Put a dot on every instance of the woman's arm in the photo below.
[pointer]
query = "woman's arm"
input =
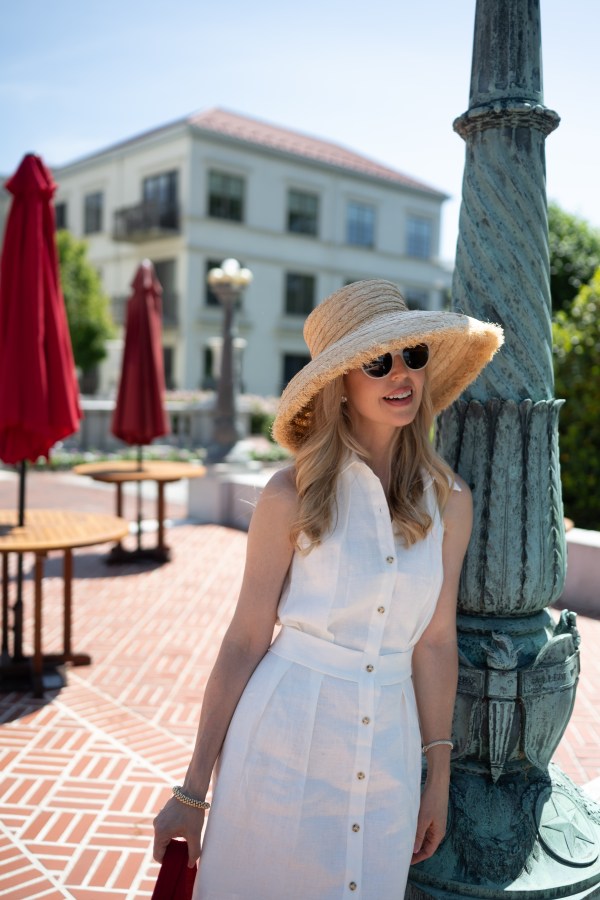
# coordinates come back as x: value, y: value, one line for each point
x: 435, y: 673
x: 246, y: 641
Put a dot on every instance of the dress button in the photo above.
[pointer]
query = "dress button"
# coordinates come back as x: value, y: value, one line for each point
x: 360, y: 775
x: 366, y: 720
x: 355, y: 827
x: 369, y: 668
x: 352, y: 885
x: 381, y: 609
x: 389, y: 559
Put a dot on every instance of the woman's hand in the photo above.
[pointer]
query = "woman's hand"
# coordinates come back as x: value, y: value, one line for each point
x: 176, y: 820
x: 431, y: 824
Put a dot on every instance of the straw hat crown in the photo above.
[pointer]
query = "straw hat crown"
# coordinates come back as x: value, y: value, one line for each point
x: 347, y: 310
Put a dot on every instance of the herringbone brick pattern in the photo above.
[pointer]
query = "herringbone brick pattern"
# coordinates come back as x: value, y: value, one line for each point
x: 85, y: 769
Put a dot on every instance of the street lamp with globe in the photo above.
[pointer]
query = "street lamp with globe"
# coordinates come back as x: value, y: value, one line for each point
x: 227, y: 282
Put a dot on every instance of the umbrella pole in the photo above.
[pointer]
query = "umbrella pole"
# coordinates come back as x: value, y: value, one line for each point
x: 139, y: 501
x: 18, y: 607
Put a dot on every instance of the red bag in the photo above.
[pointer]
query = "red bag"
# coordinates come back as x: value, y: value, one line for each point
x: 175, y: 880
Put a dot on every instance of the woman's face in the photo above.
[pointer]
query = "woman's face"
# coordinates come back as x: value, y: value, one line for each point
x: 389, y: 402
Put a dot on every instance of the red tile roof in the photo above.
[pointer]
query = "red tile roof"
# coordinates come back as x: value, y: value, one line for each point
x: 253, y: 131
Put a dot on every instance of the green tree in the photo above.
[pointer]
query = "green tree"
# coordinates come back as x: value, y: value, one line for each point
x: 577, y: 374
x: 574, y: 255
x: 88, y: 311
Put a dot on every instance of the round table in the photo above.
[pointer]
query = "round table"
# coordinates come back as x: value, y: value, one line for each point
x: 45, y: 530
x: 120, y: 472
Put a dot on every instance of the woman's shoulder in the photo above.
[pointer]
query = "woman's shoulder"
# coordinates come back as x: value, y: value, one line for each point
x: 277, y: 505
x: 458, y: 511
x: 280, y: 490
x: 282, y: 481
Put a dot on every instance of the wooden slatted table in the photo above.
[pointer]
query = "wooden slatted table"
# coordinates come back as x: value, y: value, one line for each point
x: 45, y: 530
x: 121, y: 472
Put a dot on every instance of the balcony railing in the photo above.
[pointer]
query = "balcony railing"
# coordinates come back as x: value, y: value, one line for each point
x: 145, y: 221
x: 170, y: 316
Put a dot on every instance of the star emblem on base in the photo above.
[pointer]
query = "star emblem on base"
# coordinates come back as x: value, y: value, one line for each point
x: 564, y: 829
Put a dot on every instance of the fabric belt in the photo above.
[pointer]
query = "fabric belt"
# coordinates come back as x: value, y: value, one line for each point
x: 341, y: 662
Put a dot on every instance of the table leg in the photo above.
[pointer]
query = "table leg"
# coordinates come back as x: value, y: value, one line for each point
x: 160, y: 512
x: 67, y: 601
x: 5, y: 648
x: 76, y: 659
x: 163, y: 553
x: 117, y: 554
x: 38, y: 659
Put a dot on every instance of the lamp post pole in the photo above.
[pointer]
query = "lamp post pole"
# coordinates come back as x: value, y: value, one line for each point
x: 518, y: 827
x: 227, y: 282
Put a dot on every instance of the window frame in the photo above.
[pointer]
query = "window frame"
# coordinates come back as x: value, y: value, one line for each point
x: 228, y: 212
x: 360, y: 226
x: 93, y: 212
x: 419, y: 245
x: 301, y: 300
x: 306, y: 219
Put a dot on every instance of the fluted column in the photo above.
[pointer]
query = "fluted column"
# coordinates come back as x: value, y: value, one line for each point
x: 518, y: 827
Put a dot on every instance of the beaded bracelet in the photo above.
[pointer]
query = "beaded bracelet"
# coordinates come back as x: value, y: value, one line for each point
x: 431, y: 744
x: 189, y: 801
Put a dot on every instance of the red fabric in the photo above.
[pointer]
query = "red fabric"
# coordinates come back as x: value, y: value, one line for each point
x: 39, y: 397
x: 175, y: 879
x: 139, y: 414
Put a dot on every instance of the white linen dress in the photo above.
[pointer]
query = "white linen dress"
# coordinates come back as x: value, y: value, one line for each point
x: 318, y: 784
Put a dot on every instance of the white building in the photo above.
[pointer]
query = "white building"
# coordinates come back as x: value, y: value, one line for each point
x: 305, y: 215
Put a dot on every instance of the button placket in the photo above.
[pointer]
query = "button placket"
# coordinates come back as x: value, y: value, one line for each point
x: 360, y: 781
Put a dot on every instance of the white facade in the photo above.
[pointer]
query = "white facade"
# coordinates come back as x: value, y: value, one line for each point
x: 403, y: 217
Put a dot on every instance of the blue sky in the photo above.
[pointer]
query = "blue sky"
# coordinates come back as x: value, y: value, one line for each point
x: 384, y: 78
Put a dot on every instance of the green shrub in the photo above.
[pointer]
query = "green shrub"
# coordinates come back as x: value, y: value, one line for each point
x: 577, y: 375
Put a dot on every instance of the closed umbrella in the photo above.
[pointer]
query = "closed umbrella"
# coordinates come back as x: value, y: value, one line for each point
x: 140, y: 414
x: 39, y: 398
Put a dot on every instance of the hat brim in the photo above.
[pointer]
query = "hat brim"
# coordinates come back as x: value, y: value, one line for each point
x: 460, y: 347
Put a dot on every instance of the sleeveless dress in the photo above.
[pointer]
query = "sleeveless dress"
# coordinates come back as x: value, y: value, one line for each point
x: 318, y: 783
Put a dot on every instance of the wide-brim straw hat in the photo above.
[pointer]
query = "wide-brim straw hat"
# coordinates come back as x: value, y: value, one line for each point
x: 368, y: 318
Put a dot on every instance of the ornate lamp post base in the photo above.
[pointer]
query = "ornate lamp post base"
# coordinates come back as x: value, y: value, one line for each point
x: 532, y: 838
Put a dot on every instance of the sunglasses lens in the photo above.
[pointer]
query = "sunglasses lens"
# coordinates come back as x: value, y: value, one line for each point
x: 416, y: 357
x: 379, y: 367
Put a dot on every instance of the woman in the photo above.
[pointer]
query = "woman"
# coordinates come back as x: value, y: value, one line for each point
x: 356, y: 551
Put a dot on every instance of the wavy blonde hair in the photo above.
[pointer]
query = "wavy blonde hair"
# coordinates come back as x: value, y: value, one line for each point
x: 328, y: 441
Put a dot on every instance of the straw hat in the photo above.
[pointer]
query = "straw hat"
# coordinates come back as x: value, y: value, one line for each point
x: 368, y: 318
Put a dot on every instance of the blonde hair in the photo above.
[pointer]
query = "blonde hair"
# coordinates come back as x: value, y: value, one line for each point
x: 319, y: 459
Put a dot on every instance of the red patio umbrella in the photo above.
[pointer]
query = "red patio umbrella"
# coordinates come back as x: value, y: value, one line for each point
x: 39, y: 398
x: 140, y: 414
x: 39, y: 402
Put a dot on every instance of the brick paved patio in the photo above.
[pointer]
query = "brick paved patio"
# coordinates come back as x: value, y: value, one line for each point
x: 85, y: 769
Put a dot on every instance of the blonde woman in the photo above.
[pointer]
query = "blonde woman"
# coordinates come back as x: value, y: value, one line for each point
x: 316, y: 737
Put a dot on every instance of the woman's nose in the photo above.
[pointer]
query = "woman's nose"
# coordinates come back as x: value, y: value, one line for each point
x: 399, y: 367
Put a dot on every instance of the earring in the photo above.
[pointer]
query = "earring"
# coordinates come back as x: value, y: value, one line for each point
x: 344, y: 398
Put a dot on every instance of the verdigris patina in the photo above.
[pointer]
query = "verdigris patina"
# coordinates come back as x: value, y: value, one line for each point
x: 518, y: 827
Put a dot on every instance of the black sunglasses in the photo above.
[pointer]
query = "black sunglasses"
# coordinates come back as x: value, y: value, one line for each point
x: 414, y: 358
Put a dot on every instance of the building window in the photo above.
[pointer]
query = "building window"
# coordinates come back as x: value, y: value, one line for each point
x: 299, y: 294
x: 60, y: 212
x: 226, y: 196
x: 165, y: 270
x: 303, y: 212
x: 92, y: 212
x: 292, y: 363
x: 169, y: 366
x: 360, y: 225
x: 418, y: 238
x: 416, y: 298
x: 161, y: 191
